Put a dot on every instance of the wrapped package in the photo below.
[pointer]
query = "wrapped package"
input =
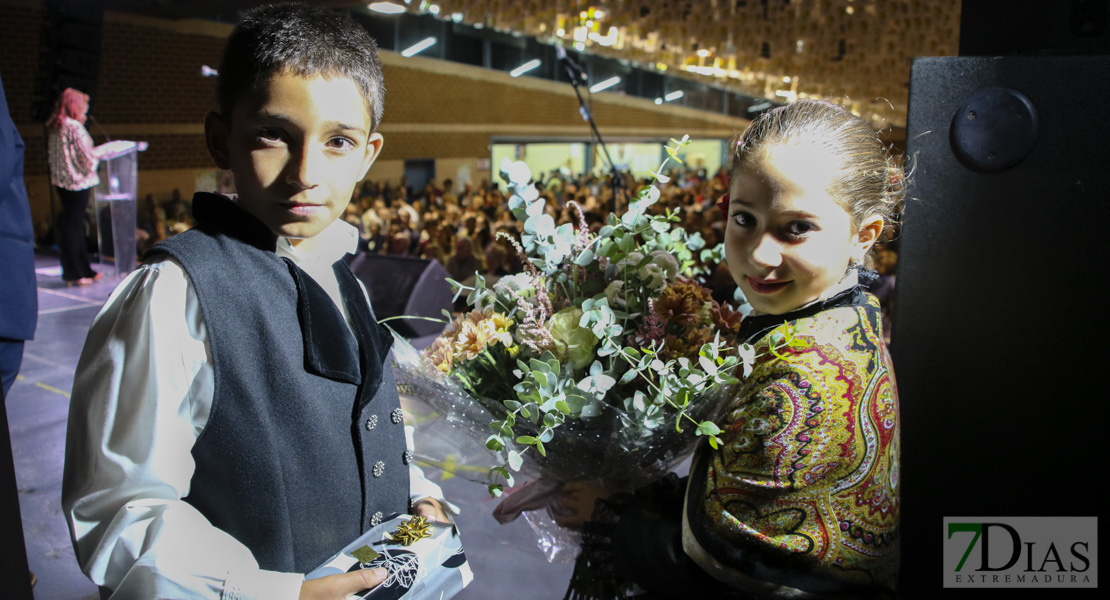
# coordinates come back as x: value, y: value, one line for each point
x: 420, y: 568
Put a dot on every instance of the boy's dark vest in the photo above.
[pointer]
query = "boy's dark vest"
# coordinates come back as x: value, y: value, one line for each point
x: 304, y: 445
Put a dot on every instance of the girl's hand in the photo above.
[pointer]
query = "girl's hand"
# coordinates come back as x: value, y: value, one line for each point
x: 430, y: 509
x: 343, y: 585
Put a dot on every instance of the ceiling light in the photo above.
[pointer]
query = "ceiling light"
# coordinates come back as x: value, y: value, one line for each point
x: 604, y: 85
x: 207, y: 71
x: 418, y: 47
x: 674, y: 95
x: 387, y: 8
x: 703, y: 53
x: 528, y: 66
x: 658, y: 100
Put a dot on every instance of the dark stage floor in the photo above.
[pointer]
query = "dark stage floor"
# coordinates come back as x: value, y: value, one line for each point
x: 504, y: 558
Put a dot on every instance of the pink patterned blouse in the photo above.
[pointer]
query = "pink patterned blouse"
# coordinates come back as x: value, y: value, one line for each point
x: 73, y: 157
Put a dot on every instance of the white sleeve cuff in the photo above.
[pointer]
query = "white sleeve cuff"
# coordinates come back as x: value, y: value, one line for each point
x: 262, y: 585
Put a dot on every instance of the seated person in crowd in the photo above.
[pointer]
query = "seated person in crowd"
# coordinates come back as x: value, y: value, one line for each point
x: 462, y: 264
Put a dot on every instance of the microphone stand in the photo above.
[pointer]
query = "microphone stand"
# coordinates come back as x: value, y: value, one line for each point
x: 574, y: 72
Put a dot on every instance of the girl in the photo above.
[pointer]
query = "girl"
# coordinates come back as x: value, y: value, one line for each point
x: 73, y: 162
x: 801, y: 498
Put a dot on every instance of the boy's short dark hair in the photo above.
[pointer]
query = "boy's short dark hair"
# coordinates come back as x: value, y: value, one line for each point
x: 302, y: 40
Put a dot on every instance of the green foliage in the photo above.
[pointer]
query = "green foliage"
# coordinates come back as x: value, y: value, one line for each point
x: 584, y: 344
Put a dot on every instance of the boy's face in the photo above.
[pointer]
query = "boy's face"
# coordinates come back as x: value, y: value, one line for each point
x: 297, y: 148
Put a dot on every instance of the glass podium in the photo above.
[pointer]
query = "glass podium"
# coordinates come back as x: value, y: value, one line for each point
x: 116, y: 199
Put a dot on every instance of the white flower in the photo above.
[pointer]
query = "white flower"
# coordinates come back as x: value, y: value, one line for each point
x: 613, y: 294
x: 629, y: 261
x: 520, y: 283
x: 653, y: 275
x: 667, y: 262
x: 575, y: 341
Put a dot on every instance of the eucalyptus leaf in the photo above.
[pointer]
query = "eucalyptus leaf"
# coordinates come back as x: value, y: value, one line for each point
x: 591, y: 409
x: 708, y: 428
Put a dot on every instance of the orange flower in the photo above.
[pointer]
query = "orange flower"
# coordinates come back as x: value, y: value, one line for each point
x: 471, y: 341
x: 441, y: 354
x: 725, y: 318
x: 682, y: 302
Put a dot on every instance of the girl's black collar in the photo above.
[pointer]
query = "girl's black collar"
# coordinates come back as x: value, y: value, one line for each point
x: 753, y: 328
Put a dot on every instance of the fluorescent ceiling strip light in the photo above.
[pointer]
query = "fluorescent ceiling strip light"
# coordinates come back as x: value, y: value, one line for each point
x: 674, y: 95
x: 528, y: 66
x: 418, y: 47
x: 387, y: 8
x: 604, y: 85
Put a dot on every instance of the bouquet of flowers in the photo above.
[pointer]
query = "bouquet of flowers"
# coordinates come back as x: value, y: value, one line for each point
x: 604, y: 360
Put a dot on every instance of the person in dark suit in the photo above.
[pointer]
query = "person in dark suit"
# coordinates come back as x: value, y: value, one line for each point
x: 19, y: 308
x: 19, y: 302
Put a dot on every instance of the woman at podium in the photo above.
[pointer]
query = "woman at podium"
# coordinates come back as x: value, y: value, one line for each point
x: 73, y: 160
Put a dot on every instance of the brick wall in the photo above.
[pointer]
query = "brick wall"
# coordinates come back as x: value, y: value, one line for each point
x: 150, y: 88
x: 19, y: 41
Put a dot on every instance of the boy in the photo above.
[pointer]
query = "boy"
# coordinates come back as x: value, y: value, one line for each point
x: 233, y: 421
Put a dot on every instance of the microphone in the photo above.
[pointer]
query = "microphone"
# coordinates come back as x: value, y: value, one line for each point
x: 98, y: 127
x: 574, y: 70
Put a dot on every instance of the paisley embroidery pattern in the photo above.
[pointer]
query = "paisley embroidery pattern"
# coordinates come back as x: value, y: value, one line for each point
x: 810, y: 460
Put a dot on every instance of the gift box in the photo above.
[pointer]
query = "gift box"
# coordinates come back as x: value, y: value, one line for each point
x: 425, y: 560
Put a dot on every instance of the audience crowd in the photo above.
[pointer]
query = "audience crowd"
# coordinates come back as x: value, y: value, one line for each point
x: 458, y: 224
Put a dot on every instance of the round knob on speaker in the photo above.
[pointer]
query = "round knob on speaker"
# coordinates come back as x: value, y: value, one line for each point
x: 995, y: 129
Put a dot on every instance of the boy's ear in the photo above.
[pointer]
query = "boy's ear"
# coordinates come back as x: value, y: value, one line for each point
x: 373, y: 149
x: 868, y: 234
x: 216, y: 138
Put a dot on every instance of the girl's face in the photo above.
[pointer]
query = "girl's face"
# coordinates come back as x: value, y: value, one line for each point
x: 787, y: 241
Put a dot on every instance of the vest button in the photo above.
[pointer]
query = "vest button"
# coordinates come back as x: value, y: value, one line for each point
x: 379, y: 468
x: 376, y: 519
x: 406, y: 457
x: 397, y: 416
x: 372, y: 422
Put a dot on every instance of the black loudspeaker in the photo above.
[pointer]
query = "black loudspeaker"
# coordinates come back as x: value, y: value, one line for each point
x: 403, y: 286
x: 1034, y: 27
x: 1000, y: 328
x: 69, y: 51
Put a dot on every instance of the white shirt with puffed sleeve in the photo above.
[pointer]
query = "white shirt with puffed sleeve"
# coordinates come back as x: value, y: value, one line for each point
x: 141, y: 396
